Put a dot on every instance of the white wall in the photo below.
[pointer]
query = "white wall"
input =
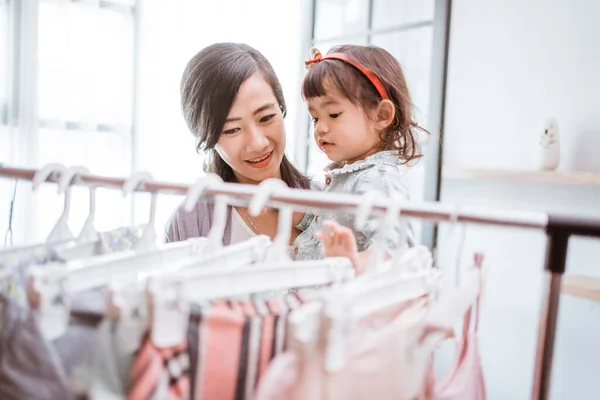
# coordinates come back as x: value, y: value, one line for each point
x: 512, y: 64
x: 169, y: 36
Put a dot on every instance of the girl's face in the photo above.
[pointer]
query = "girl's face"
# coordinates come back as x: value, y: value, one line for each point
x: 252, y: 141
x: 341, y: 129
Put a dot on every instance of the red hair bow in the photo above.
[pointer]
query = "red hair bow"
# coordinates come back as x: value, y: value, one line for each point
x: 316, y: 57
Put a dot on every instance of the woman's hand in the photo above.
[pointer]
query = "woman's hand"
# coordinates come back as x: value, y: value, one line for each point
x: 340, y: 242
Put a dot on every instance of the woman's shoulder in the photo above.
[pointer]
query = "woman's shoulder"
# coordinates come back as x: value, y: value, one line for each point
x: 188, y: 224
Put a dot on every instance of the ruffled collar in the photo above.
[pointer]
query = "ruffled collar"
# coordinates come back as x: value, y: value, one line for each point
x: 388, y: 157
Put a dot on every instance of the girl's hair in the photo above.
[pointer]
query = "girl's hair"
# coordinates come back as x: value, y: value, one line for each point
x: 355, y: 86
x: 209, y: 86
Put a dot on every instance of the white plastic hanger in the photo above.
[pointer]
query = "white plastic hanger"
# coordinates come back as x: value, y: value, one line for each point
x: 452, y: 305
x: 461, y: 244
x: 215, y: 255
x: 211, y: 284
x: 219, y: 222
x: 88, y: 232
x: 147, y: 240
x: 121, y: 269
x: 363, y: 212
x: 61, y: 233
x: 402, y: 259
x: 127, y: 266
x: 279, y: 250
x: 170, y: 304
x: 87, y: 244
x: 61, y: 230
x: 277, y: 272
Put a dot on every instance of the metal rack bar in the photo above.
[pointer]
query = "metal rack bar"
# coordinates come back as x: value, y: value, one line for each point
x: 558, y: 228
x: 240, y: 194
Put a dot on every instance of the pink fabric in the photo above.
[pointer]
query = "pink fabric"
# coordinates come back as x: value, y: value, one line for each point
x: 465, y: 379
x: 389, y: 356
x: 279, y: 378
x: 376, y: 350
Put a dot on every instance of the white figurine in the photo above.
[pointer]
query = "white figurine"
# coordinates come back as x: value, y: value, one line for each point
x: 548, y: 146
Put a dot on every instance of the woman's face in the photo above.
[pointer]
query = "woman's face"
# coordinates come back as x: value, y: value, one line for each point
x: 252, y: 141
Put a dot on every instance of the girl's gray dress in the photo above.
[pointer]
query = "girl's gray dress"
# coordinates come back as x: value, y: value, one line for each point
x: 381, y: 172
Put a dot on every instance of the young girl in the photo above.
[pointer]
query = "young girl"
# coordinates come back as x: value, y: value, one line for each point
x: 362, y: 114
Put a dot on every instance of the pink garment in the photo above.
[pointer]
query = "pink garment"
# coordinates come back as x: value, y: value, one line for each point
x: 384, y: 360
x: 465, y: 379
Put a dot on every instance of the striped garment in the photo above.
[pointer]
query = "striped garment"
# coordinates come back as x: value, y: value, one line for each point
x: 159, y: 373
x: 237, y: 339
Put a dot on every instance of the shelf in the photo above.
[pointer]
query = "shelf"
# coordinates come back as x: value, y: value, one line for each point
x: 581, y: 286
x: 552, y: 177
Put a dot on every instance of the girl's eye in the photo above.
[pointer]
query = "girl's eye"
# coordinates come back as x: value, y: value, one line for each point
x: 315, y: 120
x: 267, y: 118
x: 231, y: 131
x: 335, y: 115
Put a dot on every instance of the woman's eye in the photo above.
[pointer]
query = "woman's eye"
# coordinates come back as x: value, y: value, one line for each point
x: 267, y: 118
x: 231, y: 131
x: 335, y: 115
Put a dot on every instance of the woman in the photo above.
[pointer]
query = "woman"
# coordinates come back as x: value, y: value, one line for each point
x: 233, y: 103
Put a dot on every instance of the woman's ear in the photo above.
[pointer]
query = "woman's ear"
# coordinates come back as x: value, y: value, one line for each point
x: 386, y: 114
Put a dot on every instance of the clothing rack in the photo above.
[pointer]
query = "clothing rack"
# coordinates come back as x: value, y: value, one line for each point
x: 558, y: 228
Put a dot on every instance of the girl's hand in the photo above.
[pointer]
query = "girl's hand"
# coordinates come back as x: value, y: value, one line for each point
x: 340, y: 242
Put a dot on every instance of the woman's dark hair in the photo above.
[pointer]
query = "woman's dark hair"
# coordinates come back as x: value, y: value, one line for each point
x: 356, y: 87
x: 209, y: 86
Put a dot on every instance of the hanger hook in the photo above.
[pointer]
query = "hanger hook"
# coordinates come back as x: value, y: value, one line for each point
x: 284, y: 222
x: 195, y: 192
x: 461, y: 242
x: 69, y: 177
x: 392, y: 214
x: 134, y: 182
x: 261, y: 197
x: 46, y: 172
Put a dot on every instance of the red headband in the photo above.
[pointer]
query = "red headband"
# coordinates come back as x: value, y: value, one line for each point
x: 318, y: 57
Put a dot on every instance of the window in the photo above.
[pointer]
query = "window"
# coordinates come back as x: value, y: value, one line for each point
x: 85, y: 69
x: 5, y: 142
x: 70, y: 101
x: 85, y: 101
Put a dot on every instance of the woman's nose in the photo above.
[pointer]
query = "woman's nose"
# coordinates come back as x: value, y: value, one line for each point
x: 257, y: 140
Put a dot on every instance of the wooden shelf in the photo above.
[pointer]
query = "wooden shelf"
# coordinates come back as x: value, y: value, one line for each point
x: 581, y: 286
x: 552, y: 177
